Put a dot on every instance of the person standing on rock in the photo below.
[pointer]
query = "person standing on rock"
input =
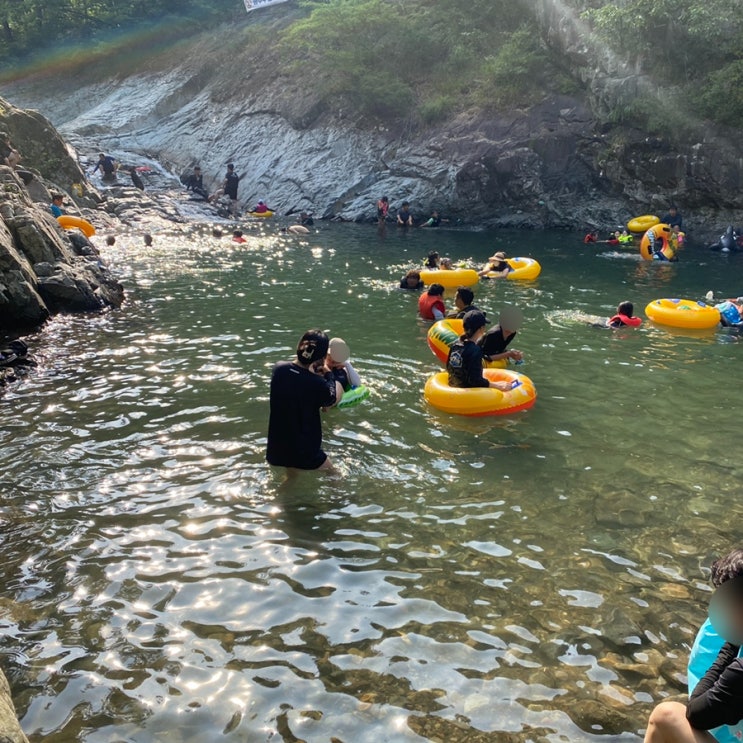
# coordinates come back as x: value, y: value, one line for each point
x: 229, y: 188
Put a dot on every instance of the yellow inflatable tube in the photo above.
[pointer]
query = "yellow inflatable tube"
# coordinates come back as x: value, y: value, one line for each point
x: 523, y: 269
x: 443, y: 333
x: 68, y: 222
x: 450, y: 279
x: 663, y: 237
x: 683, y: 313
x: 481, y: 401
x: 643, y: 223
x: 261, y: 215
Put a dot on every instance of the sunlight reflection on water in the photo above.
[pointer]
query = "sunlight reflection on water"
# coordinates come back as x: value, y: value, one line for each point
x: 539, y: 576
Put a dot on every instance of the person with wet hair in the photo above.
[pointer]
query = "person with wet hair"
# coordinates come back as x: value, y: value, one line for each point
x: 300, y: 389
x: 717, y: 699
x: 411, y: 281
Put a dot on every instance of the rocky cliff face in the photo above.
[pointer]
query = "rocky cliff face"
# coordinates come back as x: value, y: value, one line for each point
x: 43, y: 269
x: 557, y: 164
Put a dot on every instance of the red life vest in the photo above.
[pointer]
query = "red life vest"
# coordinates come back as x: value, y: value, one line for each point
x: 633, y: 322
x: 426, y: 303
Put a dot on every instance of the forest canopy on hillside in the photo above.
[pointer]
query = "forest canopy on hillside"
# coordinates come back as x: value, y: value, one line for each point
x: 424, y: 60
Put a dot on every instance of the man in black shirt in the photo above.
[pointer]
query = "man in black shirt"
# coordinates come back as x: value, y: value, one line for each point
x: 299, y: 390
x: 494, y: 343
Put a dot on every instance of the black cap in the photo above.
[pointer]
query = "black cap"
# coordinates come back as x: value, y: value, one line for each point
x: 473, y: 321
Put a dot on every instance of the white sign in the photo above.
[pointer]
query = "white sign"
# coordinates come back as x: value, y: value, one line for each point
x: 254, y: 4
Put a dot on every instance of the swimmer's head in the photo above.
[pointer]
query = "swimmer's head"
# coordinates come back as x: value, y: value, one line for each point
x: 625, y: 308
x: 312, y: 346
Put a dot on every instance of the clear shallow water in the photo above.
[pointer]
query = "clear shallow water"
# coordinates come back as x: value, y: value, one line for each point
x: 533, y: 578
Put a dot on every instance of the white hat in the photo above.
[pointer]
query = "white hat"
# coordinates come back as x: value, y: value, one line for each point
x: 339, y: 350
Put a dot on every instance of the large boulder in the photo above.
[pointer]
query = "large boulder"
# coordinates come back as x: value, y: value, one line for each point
x: 41, y: 271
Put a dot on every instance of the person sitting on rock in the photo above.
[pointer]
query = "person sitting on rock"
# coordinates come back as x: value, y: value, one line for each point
x: 56, y: 205
x: 195, y: 183
x: 9, y: 155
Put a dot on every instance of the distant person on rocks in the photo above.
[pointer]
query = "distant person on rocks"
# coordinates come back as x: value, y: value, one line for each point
x: 300, y: 389
x: 673, y: 218
x: 107, y: 165
x: 495, y: 342
x: 383, y: 207
x: 228, y: 188
x: 195, y: 183
x: 9, y: 155
x: 411, y: 281
x: 57, y: 204
x: 431, y: 303
x: 463, y: 300
x: 404, y: 217
x: 136, y: 178
x: 464, y: 363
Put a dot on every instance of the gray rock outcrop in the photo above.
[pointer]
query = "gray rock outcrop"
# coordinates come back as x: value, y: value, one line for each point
x: 10, y: 730
x: 42, y: 272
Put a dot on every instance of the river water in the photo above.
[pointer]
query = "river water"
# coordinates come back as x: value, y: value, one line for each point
x: 529, y: 578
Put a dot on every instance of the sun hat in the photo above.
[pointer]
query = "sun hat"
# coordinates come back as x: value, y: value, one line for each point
x: 499, y: 256
x: 339, y: 350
